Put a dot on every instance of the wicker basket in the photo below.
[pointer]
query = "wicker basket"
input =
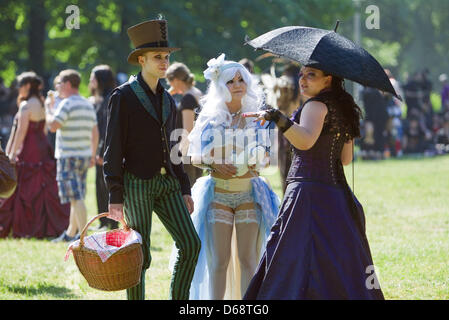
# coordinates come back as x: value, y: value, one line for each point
x: 121, y: 271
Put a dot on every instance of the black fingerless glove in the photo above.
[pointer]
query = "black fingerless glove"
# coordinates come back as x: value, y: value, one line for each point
x: 282, y: 122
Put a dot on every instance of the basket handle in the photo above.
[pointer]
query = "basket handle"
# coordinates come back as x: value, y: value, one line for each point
x: 105, y: 214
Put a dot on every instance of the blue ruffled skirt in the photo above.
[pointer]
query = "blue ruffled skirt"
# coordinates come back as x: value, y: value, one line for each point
x: 267, y: 207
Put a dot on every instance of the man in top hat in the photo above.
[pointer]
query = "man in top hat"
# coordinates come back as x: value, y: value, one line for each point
x: 138, y: 171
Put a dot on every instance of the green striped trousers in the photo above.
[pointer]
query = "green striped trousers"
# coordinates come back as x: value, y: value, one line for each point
x: 162, y: 194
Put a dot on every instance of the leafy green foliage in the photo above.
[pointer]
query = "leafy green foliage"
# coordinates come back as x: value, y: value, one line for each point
x: 202, y: 30
x: 421, y: 27
x: 413, y: 34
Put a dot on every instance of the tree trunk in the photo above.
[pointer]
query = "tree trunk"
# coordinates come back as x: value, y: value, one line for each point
x: 36, y: 36
x: 124, y: 46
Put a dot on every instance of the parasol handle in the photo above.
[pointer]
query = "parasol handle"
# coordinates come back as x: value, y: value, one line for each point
x: 125, y: 226
x: 336, y: 25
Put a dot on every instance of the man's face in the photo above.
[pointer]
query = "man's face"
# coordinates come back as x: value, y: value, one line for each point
x: 64, y: 88
x: 58, y: 86
x: 155, y: 63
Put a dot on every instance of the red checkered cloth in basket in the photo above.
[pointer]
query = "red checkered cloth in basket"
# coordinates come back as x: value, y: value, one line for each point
x: 107, y: 243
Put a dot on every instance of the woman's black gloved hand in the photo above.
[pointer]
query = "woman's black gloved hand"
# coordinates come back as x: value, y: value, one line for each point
x: 282, y: 122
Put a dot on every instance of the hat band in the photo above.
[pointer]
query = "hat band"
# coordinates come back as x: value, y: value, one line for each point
x: 156, y: 44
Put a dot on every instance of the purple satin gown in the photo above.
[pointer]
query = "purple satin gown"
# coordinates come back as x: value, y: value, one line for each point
x: 317, y: 248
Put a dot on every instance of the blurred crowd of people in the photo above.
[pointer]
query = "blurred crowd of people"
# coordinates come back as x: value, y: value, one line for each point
x: 391, y: 130
x: 391, y: 127
x: 54, y: 138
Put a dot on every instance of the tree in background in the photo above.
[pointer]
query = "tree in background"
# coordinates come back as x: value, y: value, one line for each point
x: 413, y: 34
x: 34, y: 33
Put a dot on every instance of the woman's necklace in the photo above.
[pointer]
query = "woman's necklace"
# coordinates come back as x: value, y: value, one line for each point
x: 236, y: 120
x: 236, y: 113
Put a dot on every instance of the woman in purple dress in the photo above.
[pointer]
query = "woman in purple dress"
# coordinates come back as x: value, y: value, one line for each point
x: 318, y: 248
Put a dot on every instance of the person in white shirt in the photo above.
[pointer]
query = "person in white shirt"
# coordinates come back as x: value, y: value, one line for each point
x: 75, y: 124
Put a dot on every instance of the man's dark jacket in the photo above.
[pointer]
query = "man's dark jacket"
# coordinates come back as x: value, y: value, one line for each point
x: 137, y: 141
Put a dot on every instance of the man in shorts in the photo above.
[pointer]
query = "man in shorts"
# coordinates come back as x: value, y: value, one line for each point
x: 75, y: 124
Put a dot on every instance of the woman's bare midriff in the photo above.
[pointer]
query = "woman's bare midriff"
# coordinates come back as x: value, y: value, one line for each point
x: 249, y: 174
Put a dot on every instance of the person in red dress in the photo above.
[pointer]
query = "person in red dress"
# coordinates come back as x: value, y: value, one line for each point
x: 34, y: 209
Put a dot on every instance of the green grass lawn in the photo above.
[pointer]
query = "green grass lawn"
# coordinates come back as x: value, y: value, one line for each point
x: 406, y: 204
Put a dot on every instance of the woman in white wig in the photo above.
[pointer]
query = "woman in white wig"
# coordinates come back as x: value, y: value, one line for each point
x: 234, y: 207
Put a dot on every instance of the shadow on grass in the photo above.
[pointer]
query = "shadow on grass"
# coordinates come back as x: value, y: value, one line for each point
x: 40, y: 289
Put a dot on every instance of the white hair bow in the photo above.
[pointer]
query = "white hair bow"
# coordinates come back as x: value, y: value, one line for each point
x: 213, y: 70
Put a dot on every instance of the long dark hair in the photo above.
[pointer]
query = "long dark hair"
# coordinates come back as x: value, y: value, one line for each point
x: 344, y: 101
x: 36, y: 84
x: 105, y: 79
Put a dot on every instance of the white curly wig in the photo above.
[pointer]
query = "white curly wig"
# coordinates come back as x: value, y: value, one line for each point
x: 214, y: 109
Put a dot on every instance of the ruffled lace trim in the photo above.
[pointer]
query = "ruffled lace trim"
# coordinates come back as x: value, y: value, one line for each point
x: 246, y: 216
